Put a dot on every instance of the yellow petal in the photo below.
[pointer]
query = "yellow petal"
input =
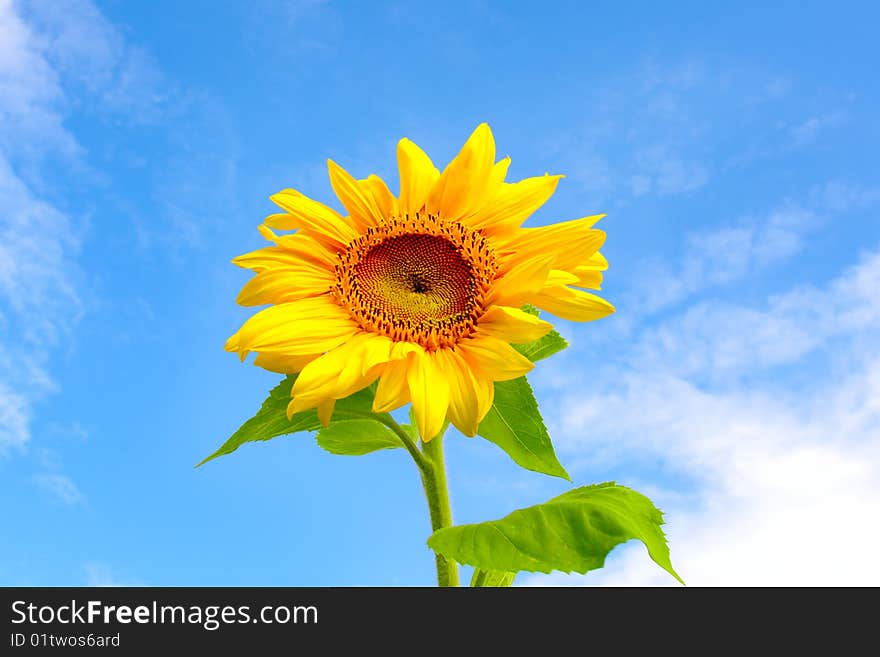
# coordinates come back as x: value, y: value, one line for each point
x: 464, y: 397
x: 302, y: 245
x: 493, y: 359
x: 485, y: 391
x: 499, y: 173
x: 306, y: 214
x: 233, y: 345
x: 496, y: 181
x: 463, y: 185
x: 325, y: 411
x: 559, y: 277
x: 572, y: 304
x: 373, y: 350
x: 392, y: 391
x: 384, y: 199
x: 598, y: 262
x: 271, y: 257
x: 513, y: 204
x: 297, y: 328
x: 512, y: 325
x: 342, y: 371
x: 587, y: 276
x: 356, y: 199
x: 429, y: 392
x: 403, y: 349
x: 516, y: 286
x: 417, y: 175
x: 572, y: 243
x: 288, y: 284
x: 283, y: 364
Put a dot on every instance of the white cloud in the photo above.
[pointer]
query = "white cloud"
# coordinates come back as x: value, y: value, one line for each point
x: 592, y: 173
x: 843, y: 196
x: 772, y: 481
x: 61, y: 487
x: 38, y: 245
x: 99, y: 574
x: 52, y: 62
x: 38, y: 300
x: 13, y: 419
x: 807, y: 131
x: 744, y: 247
x: 723, y: 255
x: 681, y: 76
x: 718, y: 341
x: 663, y: 170
x: 664, y: 129
x: 30, y: 91
x: 90, y: 55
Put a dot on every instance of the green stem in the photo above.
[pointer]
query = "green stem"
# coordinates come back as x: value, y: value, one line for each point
x: 433, y: 470
x: 405, y: 438
x: 437, y: 492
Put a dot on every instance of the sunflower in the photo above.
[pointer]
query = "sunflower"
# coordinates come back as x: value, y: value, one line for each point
x: 422, y: 292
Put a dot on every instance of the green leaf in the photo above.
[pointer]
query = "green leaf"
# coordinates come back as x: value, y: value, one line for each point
x: 514, y: 421
x: 543, y: 347
x: 357, y: 437
x: 514, y: 424
x: 487, y: 578
x: 572, y: 533
x: 271, y: 420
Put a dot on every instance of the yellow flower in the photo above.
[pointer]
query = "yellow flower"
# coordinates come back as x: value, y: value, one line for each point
x: 421, y: 291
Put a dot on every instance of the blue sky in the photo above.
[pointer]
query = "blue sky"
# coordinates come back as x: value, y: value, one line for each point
x: 733, y: 150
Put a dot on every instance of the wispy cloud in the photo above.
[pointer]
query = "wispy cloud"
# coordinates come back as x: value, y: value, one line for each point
x: 844, y: 196
x: 51, y: 63
x: 724, y: 340
x: 807, y: 131
x: 664, y: 129
x: 662, y: 170
x: 38, y: 243
x: 721, y: 255
x: 61, y: 487
x: 119, y: 80
x: 729, y: 252
x: 14, y: 419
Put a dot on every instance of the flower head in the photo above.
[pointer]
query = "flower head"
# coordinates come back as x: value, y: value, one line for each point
x: 422, y: 292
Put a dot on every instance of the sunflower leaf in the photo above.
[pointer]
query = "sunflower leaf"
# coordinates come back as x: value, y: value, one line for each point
x: 271, y: 420
x: 491, y: 578
x: 355, y: 437
x: 514, y: 423
x: 550, y: 344
x: 541, y: 348
x: 573, y: 532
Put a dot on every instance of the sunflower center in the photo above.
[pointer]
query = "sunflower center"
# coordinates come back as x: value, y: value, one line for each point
x: 418, y: 283
x: 416, y: 279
